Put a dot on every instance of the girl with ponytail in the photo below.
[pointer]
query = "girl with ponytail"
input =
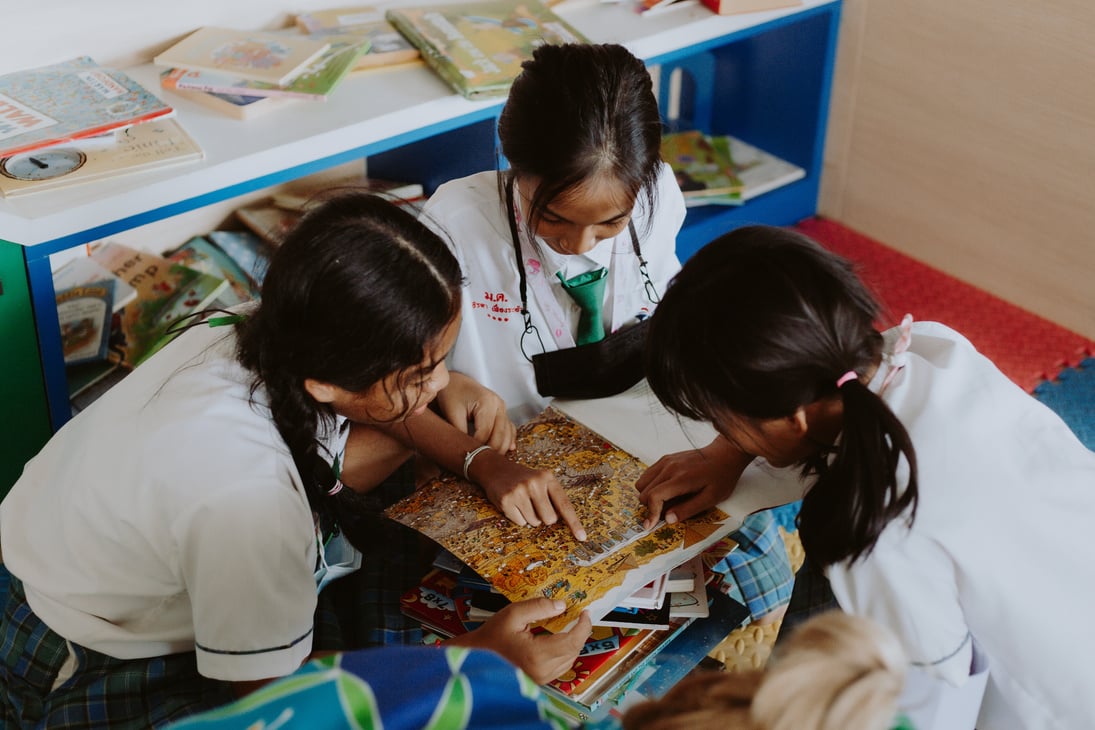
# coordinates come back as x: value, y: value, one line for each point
x: 168, y: 544
x: 903, y: 438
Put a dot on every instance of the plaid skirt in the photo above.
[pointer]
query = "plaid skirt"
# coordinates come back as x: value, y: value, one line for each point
x: 101, y: 691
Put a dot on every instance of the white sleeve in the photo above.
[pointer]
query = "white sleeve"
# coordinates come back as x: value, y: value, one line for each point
x: 660, y: 245
x: 248, y: 559
x: 909, y: 585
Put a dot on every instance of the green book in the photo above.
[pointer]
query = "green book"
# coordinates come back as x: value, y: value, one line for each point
x: 478, y: 48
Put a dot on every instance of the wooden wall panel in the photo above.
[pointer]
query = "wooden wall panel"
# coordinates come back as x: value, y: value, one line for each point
x: 963, y: 133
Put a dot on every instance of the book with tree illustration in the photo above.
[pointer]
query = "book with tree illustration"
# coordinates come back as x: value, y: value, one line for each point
x: 45, y: 106
x: 618, y: 557
x: 478, y: 47
x: 166, y: 291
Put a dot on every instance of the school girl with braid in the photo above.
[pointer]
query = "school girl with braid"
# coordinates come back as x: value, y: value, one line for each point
x: 168, y: 544
x: 942, y: 500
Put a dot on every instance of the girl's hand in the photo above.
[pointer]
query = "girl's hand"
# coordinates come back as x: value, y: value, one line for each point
x: 526, y: 496
x: 468, y: 405
x: 696, y: 480
x: 541, y: 656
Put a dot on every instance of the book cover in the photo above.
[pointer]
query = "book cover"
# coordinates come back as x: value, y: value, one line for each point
x: 147, y: 146
x: 387, y: 46
x: 649, y: 596
x: 638, y: 618
x: 606, y: 646
x: 84, y: 270
x: 49, y: 105
x: 248, y: 250
x: 704, y: 171
x: 439, y: 603
x: 165, y: 291
x: 85, y: 312
x: 478, y: 48
x: 315, y: 81
x: 269, y: 57
x: 523, y: 562
x: 205, y: 256
x: 237, y: 106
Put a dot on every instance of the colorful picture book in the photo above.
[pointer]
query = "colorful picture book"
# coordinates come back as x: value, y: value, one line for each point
x: 85, y: 312
x: 166, y: 291
x: 268, y: 221
x: 248, y: 250
x: 723, y: 170
x: 524, y: 562
x: 147, y: 146
x: 478, y: 47
x: 272, y: 58
x: 387, y: 46
x: 85, y: 270
x: 48, y: 105
x: 203, y: 255
x: 314, y: 82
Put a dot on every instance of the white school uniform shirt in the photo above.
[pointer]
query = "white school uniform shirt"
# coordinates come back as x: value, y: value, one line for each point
x: 996, y: 553
x: 471, y: 217
x: 169, y: 517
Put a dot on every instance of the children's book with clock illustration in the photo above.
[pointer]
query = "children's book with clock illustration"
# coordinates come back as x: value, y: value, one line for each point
x: 146, y: 146
x: 75, y: 99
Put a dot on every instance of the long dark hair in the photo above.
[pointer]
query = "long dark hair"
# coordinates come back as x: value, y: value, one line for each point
x: 580, y: 110
x: 762, y: 321
x: 356, y: 292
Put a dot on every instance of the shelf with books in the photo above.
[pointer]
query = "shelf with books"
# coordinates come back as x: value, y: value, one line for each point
x: 770, y: 86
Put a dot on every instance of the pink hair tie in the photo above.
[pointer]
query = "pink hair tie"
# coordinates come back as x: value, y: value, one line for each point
x: 335, y: 489
x: 850, y: 375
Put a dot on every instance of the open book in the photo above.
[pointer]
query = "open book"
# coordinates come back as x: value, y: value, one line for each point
x: 599, y: 473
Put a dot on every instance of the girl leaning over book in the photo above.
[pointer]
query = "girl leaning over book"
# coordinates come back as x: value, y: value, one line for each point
x: 568, y: 250
x: 169, y: 544
x: 933, y: 483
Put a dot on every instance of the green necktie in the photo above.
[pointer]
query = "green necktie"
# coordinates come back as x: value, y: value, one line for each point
x: 588, y: 292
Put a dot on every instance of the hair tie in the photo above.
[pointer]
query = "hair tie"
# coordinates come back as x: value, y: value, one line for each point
x: 335, y: 489
x: 850, y: 375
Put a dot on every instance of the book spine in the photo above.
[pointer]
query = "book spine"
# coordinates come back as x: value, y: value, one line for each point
x: 185, y: 83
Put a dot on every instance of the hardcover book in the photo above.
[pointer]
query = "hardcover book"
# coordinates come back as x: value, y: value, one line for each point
x: 248, y: 250
x: 166, y: 291
x: 85, y: 312
x: 146, y: 146
x: 48, y: 105
x: 478, y: 48
x: 315, y: 81
x: 760, y: 171
x: 237, y: 106
x: 618, y: 557
x: 704, y: 171
x: 273, y: 58
x: 203, y: 255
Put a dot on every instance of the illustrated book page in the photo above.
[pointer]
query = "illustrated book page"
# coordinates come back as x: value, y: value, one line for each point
x: 273, y: 58
x: 78, y: 98
x: 478, y: 48
x: 638, y: 423
x: 527, y: 562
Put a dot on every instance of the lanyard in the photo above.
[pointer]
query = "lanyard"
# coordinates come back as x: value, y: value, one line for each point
x: 530, y: 271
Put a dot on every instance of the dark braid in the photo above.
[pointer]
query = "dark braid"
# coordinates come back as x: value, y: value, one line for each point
x: 763, y: 321
x: 356, y: 292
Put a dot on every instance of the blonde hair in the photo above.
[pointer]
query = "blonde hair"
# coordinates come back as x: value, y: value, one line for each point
x: 835, y: 672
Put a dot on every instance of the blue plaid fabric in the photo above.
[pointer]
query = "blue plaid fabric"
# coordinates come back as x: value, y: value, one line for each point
x: 758, y: 572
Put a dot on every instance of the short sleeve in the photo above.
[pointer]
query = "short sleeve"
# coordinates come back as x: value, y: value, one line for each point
x: 248, y: 558
x: 668, y: 219
x: 908, y: 584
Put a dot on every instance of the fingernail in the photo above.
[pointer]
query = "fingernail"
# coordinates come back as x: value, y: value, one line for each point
x: 559, y: 605
x: 581, y: 535
x: 671, y: 519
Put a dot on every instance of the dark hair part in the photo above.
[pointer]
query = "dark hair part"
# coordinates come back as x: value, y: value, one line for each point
x: 356, y: 292
x: 577, y: 111
x: 762, y: 321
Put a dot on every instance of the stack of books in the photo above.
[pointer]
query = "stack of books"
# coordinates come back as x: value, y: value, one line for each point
x: 75, y: 121
x: 387, y: 46
x: 625, y: 576
x: 724, y: 170
x: 244, y: 73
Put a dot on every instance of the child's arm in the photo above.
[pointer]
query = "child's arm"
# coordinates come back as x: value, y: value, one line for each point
x: 691, y: 480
